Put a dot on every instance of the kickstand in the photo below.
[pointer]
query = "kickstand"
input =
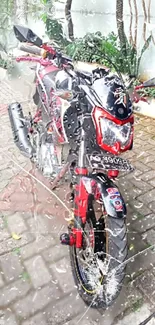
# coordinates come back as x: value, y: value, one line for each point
x: 61, y: 174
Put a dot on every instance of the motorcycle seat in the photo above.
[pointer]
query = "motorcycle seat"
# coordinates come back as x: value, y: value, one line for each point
x: 84, y: 74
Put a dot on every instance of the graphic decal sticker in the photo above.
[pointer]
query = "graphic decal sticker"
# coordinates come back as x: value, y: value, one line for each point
x: 115, y: 198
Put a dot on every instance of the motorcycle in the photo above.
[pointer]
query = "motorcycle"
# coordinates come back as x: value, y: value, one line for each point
x: 91, y: 115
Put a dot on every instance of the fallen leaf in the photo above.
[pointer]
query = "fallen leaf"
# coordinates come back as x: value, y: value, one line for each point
x: 15, y: 236
x: 131, y: 247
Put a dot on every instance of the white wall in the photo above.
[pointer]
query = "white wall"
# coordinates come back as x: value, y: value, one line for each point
x: 108, y: 6
x: 103, y: 18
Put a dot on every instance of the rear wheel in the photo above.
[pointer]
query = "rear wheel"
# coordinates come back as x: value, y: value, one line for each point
x: 98, y: 267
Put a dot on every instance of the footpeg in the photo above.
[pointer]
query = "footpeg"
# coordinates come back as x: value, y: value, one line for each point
x: 67, y: 239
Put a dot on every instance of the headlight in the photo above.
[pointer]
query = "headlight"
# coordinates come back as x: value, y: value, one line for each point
x: 113, y: 133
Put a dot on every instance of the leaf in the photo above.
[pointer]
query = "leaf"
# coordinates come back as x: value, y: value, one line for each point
x: 131, y: 247
x: 15, y: 236
x: 145, y: 47
x: 44, y: 17
x: 25, y: 276
x: 16, y: 251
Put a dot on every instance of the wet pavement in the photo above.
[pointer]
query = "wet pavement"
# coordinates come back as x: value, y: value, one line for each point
x: 35, y: 276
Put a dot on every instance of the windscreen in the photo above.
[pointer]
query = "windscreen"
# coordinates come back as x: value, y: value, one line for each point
x: 113, y: 96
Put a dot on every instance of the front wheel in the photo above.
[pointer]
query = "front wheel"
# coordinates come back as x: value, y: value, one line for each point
x: 98, y: 267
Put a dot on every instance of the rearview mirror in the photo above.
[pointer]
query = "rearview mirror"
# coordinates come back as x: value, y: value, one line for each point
x: 149, y: 83
x: 24, y: 34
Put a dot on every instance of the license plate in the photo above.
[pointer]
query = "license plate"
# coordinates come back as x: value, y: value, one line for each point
x: 108, y: 162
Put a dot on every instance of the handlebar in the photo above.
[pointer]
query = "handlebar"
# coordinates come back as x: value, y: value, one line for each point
x: 44, y: 62
x: 32, y: 49
x: 49, y: 49
x: 139, y: 87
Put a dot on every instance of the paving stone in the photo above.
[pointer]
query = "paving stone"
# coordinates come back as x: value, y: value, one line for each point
x: 134, y: 318
x: 152, y: 181
x: 16, y: 223
x: 8, y: 318
x: 141, y: 185
x: 151, y: 141
x: 11, y: 266
x: 82, y: 321
x: 9, y: 244
x: 141, y: 263
x: 129, y: 191
x: 38, y: 271
x: 3, y: 184
x: 63, y: 310
x: 41, y: 243
x: 146, y: 283
x: 1, y: 281
x: 147, y: 159
x: 147, y: 197
x: 151, y: 165
x: 62, y: 275
x: 140, y: 156
x: 36, y: 320
x: 150, y: 237
x: 139, y: 259
x: 13, y: 291
x: 140, y: 166
x: 145, y: 223
x: 36, y: 301
x: 148, y: 175
x: 152, y: 206
x: 6, y: 174
x: 55, y: 253
x: 139, y: 208
x: 135, y: 174
x: 4, y: 234
x: 38, y: 225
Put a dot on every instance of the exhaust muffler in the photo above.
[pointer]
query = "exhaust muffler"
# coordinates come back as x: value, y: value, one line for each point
x: 20, y: 130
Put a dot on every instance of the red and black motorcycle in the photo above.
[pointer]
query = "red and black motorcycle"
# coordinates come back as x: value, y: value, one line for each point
x: 89, y: 116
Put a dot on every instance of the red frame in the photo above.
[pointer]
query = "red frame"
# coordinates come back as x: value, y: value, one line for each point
x: 99, y: 113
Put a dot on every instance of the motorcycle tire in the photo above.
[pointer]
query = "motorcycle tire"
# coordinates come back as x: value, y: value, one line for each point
x: 100, y: 287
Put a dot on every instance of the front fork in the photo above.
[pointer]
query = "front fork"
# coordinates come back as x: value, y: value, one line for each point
x: 80, y: 201
x: 81, y: 195
x: 102, y: 187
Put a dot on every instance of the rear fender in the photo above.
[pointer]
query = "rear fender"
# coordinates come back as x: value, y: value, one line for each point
x: 113, y: 201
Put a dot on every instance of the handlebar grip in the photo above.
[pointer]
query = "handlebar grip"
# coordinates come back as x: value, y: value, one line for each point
x: 139, y: 87
x: 32, y: 49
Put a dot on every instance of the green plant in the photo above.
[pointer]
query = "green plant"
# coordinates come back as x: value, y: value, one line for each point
x: 6, y: 64
x: 3, y: 63
x: 92, y: 48
x: 25, y: 276
x: 108, y: 51
x: 137, y: 304
x: 145, y: 92
x: 16, y: 250
x: 54, y: 29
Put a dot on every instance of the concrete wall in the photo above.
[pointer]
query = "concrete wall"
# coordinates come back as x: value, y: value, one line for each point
x: 99, y: 15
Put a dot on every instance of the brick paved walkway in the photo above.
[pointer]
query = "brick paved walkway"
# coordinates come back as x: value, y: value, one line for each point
x: 35, y: 277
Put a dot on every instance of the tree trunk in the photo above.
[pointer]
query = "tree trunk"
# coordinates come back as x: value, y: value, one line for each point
x: 69, y: 19
x: 120, y: 24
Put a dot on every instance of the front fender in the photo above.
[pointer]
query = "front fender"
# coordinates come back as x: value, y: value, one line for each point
x: 111, y: 196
